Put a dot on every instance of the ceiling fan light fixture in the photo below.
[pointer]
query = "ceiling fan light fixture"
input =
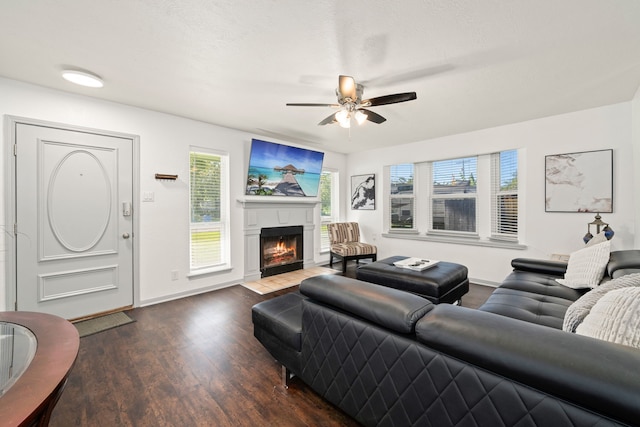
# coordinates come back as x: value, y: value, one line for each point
x: 83, y: 78
x: 360, y: 117
x: 343, y: 118
x: 345, y: 124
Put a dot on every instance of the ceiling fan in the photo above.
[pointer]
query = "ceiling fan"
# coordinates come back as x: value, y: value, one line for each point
x: 352, y: 106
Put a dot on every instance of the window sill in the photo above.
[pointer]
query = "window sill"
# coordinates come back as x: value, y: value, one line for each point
x: 403, y: 232
x: 209, y: 271
x: 470, y: 241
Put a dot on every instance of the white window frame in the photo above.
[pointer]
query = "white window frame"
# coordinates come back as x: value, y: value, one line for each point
x: 221, y: 226
x: 335, y: 209
x: 390, y: 197
x: 485, y: 202
x: 497, y: 193
x: 455, y: 196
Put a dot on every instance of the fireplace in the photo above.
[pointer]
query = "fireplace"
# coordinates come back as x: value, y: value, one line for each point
x: 281, y: 250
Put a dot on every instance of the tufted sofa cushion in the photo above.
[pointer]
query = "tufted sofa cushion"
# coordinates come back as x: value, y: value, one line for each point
x: 532, y: 297
x: 530, y: 292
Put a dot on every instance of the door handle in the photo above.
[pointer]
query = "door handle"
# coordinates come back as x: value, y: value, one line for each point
x: 125, y: 236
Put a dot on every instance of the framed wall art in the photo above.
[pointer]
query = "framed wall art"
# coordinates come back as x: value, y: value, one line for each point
x: 579, y: 182
x: 363, y: 192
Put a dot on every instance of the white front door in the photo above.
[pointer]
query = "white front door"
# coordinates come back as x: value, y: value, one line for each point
x: 74, y: 194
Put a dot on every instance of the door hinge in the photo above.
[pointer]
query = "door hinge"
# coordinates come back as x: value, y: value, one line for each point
x: 15, y: 228
x: 15, y: 306
x: 15, y: 149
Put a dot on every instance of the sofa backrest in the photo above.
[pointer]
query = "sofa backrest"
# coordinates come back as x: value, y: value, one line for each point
x: 387, y: 307
x: 381, y: 377
x: 587, y: 372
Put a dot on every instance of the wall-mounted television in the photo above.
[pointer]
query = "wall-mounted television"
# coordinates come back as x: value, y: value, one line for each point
x: 282, y: 170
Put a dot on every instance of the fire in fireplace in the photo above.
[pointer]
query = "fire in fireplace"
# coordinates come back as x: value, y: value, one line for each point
x: 281, y: 250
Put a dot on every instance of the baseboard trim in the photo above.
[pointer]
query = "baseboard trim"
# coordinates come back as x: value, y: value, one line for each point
x: 190, y: 293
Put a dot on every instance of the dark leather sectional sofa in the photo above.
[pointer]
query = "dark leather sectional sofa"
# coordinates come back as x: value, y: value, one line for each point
x: 390, y: 358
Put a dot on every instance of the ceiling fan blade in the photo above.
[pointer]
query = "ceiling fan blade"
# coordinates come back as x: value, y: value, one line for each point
x: 304, y: 104
x: 328, y: 120
x: 347, y: 87
x: 390, y: 99
x: 373, y: 117
x: 408, y: 75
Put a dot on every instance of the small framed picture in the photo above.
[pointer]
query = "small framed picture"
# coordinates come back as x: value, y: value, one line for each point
x: 363, y: 192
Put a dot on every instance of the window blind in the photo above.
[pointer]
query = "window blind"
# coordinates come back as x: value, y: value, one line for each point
x: 504, y: 190
x: 207, y: 230
x: 328, y: 180
x: 402, y: 196
x: 453, y: 195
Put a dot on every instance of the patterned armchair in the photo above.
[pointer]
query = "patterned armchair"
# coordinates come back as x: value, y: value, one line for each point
x: 345, y: 244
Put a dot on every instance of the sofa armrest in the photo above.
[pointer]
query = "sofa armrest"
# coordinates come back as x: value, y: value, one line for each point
x: 623, y: 262
x: 387, y: 307
x: 554, y: 268
x: 590, y: 373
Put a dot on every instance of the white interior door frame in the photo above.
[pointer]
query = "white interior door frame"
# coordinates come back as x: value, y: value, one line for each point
x: 10, y: 200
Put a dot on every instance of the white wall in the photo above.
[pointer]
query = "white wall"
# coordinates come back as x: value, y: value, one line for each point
x: 544, y: 233
x: 164, y: 146
x: 636, y: 159
x: 165, y: 139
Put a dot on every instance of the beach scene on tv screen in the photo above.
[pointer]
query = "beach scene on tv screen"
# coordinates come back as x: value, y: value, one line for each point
x: 282, y: 170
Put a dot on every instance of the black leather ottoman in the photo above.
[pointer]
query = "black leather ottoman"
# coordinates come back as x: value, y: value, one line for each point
x: 445, y: 282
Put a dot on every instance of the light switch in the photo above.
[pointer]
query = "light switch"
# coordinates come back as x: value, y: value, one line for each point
x: 148, y: 196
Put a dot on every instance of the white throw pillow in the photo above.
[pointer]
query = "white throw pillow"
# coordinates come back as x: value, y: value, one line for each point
x: 586, y: 267
x: 615, y: 318
x: 577, y: 311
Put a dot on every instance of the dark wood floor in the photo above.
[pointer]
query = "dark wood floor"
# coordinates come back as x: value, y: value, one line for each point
x: 192, y: 362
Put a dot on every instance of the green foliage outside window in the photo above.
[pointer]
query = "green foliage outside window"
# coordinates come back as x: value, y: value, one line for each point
x: 325, y: 194
x: 205, y: 187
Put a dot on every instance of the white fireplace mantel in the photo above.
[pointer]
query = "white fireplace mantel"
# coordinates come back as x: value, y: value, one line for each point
x: 257, y: 201
x: 262, y: 212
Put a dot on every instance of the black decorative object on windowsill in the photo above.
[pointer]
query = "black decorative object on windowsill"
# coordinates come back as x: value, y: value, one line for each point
x: 600, y: 225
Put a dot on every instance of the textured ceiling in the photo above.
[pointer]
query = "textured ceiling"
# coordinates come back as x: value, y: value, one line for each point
x: 474, y: 64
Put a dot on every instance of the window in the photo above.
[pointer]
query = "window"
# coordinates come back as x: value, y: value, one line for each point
x: 504, y: 195
x: 209, y: 230
x: 453, y: 195
x: 402, y: 199
x: 471, y: 200
x: 328, y: 205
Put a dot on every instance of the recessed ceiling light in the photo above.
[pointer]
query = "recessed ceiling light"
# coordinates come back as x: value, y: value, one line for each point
x: 83, y: 78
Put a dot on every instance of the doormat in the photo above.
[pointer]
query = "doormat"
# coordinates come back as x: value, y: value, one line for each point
x: 102, y: 323
x: 286, y: 280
